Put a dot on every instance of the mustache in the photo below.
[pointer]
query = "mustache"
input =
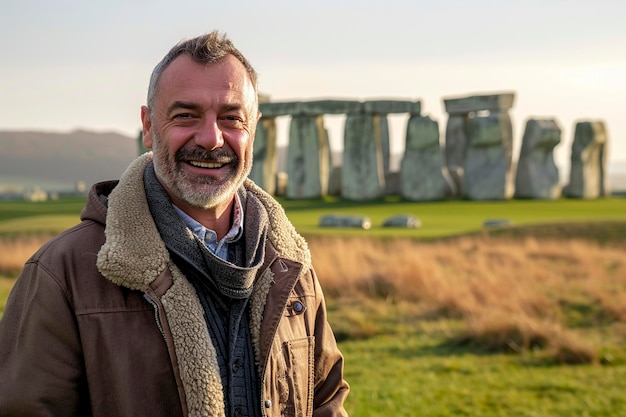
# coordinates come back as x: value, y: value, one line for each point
x: 219, y: 155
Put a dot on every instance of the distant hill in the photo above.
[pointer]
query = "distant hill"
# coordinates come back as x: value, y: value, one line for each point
x: 57, y: 161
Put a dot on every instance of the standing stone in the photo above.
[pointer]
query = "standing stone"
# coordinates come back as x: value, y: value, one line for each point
x: 265, y: 163
x: 588, y: 161
x: 487, y: 170
x: 334, y: 184
x: 467, y: 125
x: 309, y: 160
x: 366, y: 151
x: 385, y: 145
x: 455, y: 148
x: 383, y: 108
x: 422, y: 174
x: 308, y: 168
x: 537, y: 175
x: 362, y: 172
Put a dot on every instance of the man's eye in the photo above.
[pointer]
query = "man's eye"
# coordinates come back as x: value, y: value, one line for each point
x: 183, y: 116
x: 232, y: 121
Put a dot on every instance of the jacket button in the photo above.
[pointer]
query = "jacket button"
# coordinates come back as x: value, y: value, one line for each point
x: 268, y: 403
x: 298, y: 307
x: 236, y: 365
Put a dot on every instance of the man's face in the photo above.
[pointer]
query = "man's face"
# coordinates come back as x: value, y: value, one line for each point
x: 201, y: 130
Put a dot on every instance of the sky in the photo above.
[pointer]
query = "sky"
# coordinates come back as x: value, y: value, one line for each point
x: 85, y: 64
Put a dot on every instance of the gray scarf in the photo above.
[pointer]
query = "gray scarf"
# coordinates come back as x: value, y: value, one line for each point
x: 234, y: 280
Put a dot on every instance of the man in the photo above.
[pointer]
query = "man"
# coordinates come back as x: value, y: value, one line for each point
x: 185, y: 290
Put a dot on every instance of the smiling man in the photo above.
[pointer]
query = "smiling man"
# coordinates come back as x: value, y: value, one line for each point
x: 185, y: 290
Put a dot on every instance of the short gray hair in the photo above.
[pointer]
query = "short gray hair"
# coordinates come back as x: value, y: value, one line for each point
x: 205, y: 49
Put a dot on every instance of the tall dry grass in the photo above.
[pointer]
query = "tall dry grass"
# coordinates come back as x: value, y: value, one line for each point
x: 511, y: 294
x: 15, y: 250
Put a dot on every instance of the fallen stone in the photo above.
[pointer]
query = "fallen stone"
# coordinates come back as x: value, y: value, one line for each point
x: 403, y: 220
x: 496, y: 223
x: 340, y: 220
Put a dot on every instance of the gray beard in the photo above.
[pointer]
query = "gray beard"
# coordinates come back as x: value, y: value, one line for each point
x: 190, y: 189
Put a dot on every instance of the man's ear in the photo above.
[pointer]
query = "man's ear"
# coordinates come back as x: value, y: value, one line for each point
x: 146, y: 125
x: 256, y: 123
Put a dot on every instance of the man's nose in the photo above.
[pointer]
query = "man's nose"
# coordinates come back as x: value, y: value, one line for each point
x: 209, y: 135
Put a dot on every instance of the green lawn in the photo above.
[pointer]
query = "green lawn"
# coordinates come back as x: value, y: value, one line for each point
x: 441, y: 218
x: 450, y: 217
x: 411, y: 376
x: 10, y: 209
x: 49, y: 217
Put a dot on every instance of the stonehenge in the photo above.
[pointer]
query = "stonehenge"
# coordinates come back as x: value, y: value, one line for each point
x: 474, y: 162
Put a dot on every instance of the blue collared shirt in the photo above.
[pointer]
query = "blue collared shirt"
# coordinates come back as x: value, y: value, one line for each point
x: 209, y: 237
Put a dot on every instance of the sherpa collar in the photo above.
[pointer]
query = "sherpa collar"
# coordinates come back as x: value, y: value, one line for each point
x: 134, y: 255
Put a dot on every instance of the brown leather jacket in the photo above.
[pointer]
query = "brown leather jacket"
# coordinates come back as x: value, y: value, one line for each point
x: 102, y: 323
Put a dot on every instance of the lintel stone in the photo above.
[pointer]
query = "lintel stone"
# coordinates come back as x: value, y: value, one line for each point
x: 491, y: 102
x: 392, y: 106
x: 273, y: 109
x: 310, y: 108
x: 317, y: 107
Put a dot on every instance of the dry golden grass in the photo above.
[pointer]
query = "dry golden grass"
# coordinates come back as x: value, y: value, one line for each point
x: 15, y: 250
x: 511, y: 294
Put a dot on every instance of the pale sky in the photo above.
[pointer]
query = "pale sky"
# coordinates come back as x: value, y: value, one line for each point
x: 86, y: 64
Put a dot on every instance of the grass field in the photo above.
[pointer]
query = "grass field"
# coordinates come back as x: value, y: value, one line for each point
x: 450, y: 217
x: 50, y: 217
x: 439, y: 219
x: 411, y: 375
x: 451, y: 319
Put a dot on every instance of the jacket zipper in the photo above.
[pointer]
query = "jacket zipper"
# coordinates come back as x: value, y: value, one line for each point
x: 157, y: 319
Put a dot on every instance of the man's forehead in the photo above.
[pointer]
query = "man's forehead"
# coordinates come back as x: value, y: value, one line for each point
x: 183, y: 67
x: 227, y: 74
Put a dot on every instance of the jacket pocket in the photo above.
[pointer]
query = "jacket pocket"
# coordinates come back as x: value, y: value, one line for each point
x: 298, y: 387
